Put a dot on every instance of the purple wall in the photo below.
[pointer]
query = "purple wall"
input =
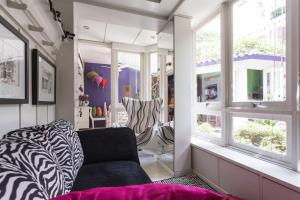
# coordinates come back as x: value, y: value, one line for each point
x: 97, y: 96
x: 129, y: 76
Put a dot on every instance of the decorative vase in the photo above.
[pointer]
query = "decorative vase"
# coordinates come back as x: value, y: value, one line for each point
x: 94, y: 111
x: 98, y: 112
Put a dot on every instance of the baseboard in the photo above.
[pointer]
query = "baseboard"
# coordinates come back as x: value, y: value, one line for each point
x: 211, y: 184
x: 171, y: 172
x: 182, y: 173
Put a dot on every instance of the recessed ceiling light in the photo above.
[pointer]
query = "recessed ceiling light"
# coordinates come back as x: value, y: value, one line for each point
x: 155, y: 1
x: 86, y: 27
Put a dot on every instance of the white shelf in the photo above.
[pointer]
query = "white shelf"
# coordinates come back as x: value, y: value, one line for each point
x: 274, y: 172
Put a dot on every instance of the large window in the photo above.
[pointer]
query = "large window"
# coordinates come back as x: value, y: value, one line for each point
x: 208, y: 61
x: 208, y: 79
x: 259, y: 74
x: 259, y: 51
x: 254, y: 113
x: 209, y: 125
x: 129, y: 83
x: 265, y: 134
x: 129, y: 75
x: 155, y: 75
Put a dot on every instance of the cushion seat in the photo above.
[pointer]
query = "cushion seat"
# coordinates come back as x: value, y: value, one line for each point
x: 115, y: 173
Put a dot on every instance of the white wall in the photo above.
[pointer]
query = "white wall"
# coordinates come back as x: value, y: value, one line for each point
x: 183, y: 94
x: 67, y: 67
x: 16, y: 116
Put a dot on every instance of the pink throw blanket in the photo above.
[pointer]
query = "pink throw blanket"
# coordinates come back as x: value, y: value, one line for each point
x: 146, y: 192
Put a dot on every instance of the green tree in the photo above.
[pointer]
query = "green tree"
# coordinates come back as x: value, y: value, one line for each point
x: 208, y: 45
x: 265, y: 134
x: 256, y: 45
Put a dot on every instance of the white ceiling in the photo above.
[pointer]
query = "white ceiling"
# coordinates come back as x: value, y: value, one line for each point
x: 123, y: 34
x: 129, y: 22
x: 198, y: 9
x: 107, y: 33
x: 93, y: 53
x: 162, y: 9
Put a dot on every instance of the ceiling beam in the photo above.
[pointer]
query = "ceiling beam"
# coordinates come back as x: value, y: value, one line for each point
x: 104, y: 38
x: 137, y: 35
x: 124, y: 9
x: 171, y: 15
x: 92, y: 42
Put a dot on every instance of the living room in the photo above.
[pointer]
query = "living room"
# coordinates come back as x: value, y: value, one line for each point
x: 131, y: 99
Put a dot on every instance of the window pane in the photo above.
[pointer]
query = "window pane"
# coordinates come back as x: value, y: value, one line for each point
x: 155, y: 75
x: 209, y: 125
x: 265, y: 134
x: 208, y: 58
x: 259, y: 50
x: 129, y: 75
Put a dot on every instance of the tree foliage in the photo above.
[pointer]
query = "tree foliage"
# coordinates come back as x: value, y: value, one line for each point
x: 256, y: 45
x: 265, y: 134
x: 208, y: 46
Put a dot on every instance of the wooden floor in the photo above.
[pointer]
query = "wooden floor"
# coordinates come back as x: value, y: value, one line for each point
x: 155, y: 168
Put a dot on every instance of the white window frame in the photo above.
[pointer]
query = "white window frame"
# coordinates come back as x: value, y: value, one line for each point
x: 263, y: 105
x: 150, y: 73
x: 206, y: 137
x: 206, y: 105
x: 208, y: 108
x: 141, y: 71
x: 257, y: 152
x: 288, y: 111
x: 116, y: 106
x: 260, y: 109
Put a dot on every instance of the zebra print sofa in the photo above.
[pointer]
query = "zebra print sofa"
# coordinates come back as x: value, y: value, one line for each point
x: 46, y: 161
x: 39, y: 162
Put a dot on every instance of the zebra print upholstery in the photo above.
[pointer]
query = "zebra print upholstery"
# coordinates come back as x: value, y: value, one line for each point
x: 166, y: 133
x: 143, y: 116
x: 67, y: 147
x: 44, y: 161
x: 37, y: 162
x: 22, y: 185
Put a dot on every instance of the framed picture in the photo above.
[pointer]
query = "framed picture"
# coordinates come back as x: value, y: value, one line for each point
x: 43, y: 79
x: 13, y: 65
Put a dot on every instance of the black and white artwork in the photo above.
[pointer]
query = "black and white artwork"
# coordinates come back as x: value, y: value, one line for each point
x: 43, y: 76
x: 13, y: 65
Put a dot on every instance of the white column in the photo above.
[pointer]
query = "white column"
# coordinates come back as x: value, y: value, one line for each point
x: 292, y: 71
x: 66, y: 63
x: 145, y: 76
x: 163, y: 87
x: 183, y: 70
x: 114, y: 84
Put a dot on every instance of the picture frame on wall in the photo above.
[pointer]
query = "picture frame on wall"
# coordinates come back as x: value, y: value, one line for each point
x: 13, y: 65
x: 43, y: 79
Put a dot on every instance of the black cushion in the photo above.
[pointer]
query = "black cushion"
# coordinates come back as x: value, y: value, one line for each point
x: 109, y: 144
x: 116, y: 173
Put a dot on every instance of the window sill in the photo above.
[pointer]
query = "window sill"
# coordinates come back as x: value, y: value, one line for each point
x: 282, y: 175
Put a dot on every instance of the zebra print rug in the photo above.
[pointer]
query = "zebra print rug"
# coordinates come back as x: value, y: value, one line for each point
x: 191, y: 180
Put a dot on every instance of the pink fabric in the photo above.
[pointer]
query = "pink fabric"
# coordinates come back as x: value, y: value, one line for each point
x: 146, y: 192
x: 98, y: 79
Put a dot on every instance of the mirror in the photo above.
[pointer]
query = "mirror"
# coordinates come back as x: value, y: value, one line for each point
x: 136, y: 63
x: 165, y: 60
